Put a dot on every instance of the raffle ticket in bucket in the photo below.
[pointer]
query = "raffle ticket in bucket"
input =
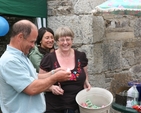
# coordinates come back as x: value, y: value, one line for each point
x: 98, y: 100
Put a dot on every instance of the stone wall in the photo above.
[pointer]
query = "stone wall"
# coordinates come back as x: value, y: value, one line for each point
x: 87, y: 28
x: 112, y: 42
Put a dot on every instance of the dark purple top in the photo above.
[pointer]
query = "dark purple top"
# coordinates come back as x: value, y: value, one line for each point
x: 71, y: 88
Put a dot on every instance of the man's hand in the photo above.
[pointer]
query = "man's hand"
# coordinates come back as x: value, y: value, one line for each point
x: 62, y: 75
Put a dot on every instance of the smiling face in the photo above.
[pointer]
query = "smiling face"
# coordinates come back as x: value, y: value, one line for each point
x: 65, y: 43
x: 23, y: 36
x: 47, y: 40
x: 64, y: 37
x: 29, y: 42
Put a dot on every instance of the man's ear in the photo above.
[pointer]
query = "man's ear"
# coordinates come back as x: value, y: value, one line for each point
x: 20, y: 36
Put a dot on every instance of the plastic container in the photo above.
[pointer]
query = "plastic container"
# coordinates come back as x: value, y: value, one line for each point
x: 138, y: 86
x: 98, y: 97
x: 132, y: 96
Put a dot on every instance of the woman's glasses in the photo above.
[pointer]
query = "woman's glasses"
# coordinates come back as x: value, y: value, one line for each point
x: 63, y: 40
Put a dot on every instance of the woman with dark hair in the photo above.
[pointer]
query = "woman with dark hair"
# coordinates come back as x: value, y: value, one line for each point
x: 45, y: 44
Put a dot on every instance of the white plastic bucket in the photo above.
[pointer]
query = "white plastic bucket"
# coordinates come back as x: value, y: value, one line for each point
x: 98, y: 97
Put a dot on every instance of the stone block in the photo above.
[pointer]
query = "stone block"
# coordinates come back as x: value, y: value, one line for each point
x: 137, y: 28
x: 98, y: 58
x: 86, y: 6
x: 88, y: 49
x: 98, y: 29
x: 111, y: 55
x: 81, y: 25
x: 136, y: 71
x: 119, y: 35
x: 98, y: 80
x: 120, y: 79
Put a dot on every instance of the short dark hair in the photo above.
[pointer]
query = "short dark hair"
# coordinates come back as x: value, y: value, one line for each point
x: 41, y: 32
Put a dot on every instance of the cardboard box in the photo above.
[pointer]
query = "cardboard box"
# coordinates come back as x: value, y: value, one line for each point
x: 121, y: 95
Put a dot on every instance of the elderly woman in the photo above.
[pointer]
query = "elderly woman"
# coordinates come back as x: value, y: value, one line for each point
x: 60, y: 97
x: 45, y: 44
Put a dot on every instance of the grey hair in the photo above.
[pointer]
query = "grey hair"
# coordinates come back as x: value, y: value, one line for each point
x: 63, y: 31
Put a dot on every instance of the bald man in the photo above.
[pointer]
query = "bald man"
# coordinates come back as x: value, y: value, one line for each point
x: 20, y: 86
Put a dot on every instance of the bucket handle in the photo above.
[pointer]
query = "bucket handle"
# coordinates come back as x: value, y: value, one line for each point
x: 108, y: 111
